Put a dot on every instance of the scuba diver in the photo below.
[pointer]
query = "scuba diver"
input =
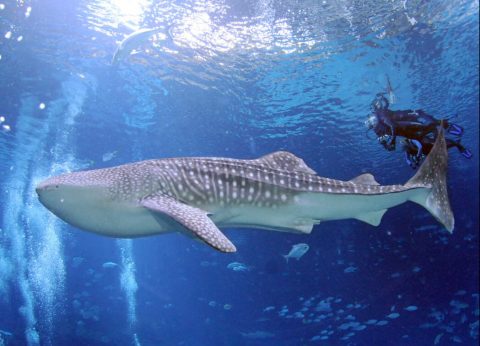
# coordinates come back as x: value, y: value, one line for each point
x: 415, y: 125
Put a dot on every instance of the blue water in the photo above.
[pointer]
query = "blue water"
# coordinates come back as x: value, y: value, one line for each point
x: 234, y: 79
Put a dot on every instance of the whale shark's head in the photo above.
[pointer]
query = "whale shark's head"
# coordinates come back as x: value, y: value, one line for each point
x: 71, y: 196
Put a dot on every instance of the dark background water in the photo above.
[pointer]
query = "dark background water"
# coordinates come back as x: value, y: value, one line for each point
x: 235, y: 79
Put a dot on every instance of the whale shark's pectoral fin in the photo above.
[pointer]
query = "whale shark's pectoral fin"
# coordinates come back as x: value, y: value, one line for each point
x: 192, y: 219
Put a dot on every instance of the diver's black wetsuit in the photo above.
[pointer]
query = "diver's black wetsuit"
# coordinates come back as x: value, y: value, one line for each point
x: 406, y: 123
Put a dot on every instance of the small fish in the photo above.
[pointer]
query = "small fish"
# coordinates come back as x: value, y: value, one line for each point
x: 238, y: 267
x: 107, y: 265
x: 76, y: 261
x: 437, y: 339
x: 458, y: 304
x: 393, y: 315
x: 5, y: 333
x: 411, y: 308
x: 350, y: 269
x: 108, y: 156
x: 297, y: 251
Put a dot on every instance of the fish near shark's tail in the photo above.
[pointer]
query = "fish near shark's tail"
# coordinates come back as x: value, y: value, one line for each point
x: 433, y: 173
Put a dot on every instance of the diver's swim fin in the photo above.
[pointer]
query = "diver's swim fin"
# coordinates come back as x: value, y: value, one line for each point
x: 466, y: 153
x: 455, y: 130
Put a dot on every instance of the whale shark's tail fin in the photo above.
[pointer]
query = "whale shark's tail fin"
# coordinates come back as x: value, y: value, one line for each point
x: 433, y: 173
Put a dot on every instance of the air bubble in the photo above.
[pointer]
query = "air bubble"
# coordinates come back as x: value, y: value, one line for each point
x: 41, y: 105
x: 8, y: 35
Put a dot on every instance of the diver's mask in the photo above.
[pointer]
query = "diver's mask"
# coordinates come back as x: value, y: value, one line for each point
x: 371, y: 121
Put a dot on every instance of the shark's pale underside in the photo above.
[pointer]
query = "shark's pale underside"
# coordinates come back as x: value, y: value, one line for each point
x: 199, y: 196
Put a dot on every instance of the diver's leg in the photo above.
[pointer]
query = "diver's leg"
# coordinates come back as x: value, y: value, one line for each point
x: 464, y: 151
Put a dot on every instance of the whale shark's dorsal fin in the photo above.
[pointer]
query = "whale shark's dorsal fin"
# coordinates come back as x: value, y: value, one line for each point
x: 364, y: 179
x: 285, y: 161
x: 193, y: 219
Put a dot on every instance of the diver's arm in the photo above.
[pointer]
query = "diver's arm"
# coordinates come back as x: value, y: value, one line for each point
x: 390, y: 145
x: 419, y: 147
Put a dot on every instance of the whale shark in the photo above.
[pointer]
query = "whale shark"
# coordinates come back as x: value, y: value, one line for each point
x: 199, y: 196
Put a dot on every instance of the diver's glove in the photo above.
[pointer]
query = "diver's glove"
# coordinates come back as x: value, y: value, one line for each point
x: 387, y: 142
x: 384, y: 139
x: 417, y: 159
x: 410, y: 161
